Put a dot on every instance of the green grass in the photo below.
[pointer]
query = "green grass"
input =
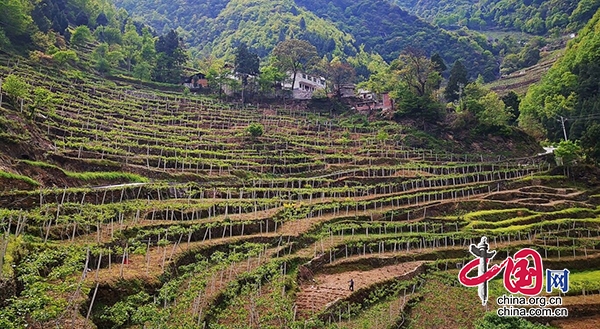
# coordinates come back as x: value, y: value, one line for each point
x: 542, y: 177
x: 578, y: 282
x: 588, y: 281
x: 460, y: 305
x: 28, y: 180
x: 497, y: 215
x: 89, y: 176
x: 525, y: 228
x: 533, y: 218
x: 40, y: 164
x: 14, y: 244
x: 111, y: 175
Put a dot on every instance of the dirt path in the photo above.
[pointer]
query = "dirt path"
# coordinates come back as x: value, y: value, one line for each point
x: 580, y: 305
x: 327, y: 288
x: 591, y: 322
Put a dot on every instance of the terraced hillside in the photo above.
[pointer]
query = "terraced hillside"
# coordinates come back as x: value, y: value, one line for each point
x: 520, y: 81
x: 131, y: 208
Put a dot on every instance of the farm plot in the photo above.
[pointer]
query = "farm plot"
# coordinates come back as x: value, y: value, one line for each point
x: 172, y: 216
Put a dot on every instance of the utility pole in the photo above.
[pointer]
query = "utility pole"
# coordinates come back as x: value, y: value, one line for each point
x: 562, y: 122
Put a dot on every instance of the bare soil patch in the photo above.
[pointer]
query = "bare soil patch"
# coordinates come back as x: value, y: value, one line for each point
x: 325, y: 289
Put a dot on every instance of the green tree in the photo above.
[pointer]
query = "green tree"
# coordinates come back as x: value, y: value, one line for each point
x: 171, y: 57
x: 132, y: 44
x: 366, y: 63
x: 339, y: 73
x: 246, y: 64
x: 529, y: 56
x: 294, y: 55
x: 414, y: 106
x: 102, y: 20
x: 269, y: 77
x: 81, y: 36
x: 255, y: 129
x: 568, y: 89
x: 590, y: 142
x: 15, y: 88
x: 42, y: 98
x: 142, y: 71
x: 510, y: 63
x: 417, y: 71
x: 107, y: 57
x: 568, y: 152
x: 63, y: 57
x: 494, y: 111
x: 108, y: 34
x: 512, y: 102
x: 438, y: 63
x: 148, y: 50
x: 486, y: 106
x: 15, y: 19
x: 381, y: 80
x: 217, y: 73
x: 456, y: 82
x: 4, y: 41
x: 382, y: 136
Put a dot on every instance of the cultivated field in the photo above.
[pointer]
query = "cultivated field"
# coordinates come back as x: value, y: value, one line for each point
x: 140, y: 209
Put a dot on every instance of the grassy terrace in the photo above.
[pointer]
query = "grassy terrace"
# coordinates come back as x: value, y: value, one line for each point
x: 168, y: 214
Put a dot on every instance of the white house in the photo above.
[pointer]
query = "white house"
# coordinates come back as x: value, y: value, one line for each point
x: 304, y: 86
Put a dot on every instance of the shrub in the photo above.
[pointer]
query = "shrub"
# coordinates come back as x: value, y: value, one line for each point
x: 15, y: 87
x: 255, y: 129
x: 65, y: 56
x: 81, y: 35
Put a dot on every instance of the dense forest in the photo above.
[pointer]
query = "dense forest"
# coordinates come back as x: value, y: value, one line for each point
x: 216, y: 27
x: 569, y: 91
x: 531, y: 16
x: 61, y: 32
x: 336, y: 28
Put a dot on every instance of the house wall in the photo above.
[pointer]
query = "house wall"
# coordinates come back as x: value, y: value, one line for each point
x: 200, y: 83
x: 304, y: 85
x: 387, y: 101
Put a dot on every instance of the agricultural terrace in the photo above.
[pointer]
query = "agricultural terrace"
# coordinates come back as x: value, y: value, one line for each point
x: 139, y: 208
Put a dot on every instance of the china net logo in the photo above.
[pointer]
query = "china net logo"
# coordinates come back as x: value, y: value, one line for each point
x: 523, y: 278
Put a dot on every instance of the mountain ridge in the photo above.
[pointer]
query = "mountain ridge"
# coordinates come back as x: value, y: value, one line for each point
x: 536, y: 17
x: 336, y: 28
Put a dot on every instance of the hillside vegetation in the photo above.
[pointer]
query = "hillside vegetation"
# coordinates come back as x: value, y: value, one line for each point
x: 334, y: 27
x: 569, y: 89
x: 537, y: 17
x: 218, y: 215
x: 129, y: 201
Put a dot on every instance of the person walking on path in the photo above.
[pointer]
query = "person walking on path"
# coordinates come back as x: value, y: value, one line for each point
x: 351, y: 284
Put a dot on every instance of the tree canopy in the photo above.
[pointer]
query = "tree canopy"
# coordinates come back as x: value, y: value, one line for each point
x: 170, y: 59
x: 456, y: 82
x: 568, y: 90
x: 293, y: 56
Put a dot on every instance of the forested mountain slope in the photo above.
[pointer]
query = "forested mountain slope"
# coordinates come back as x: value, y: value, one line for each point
x: 387, y: 29
x: 217, y: 26
x: 334, y: 27
x: 569, y: 90
x: 532, y: 16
